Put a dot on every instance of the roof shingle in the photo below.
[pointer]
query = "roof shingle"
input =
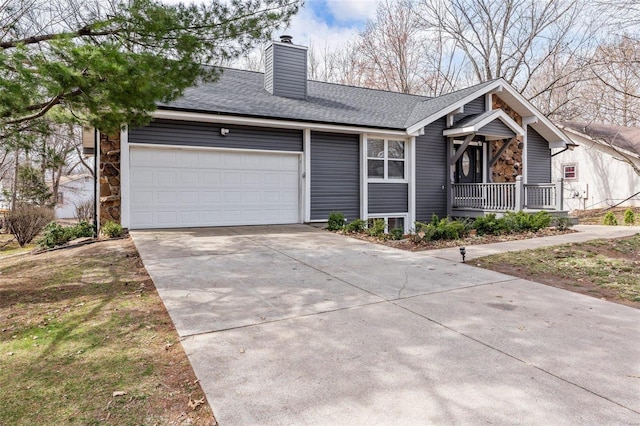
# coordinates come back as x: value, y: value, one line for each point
x: 239, y: 92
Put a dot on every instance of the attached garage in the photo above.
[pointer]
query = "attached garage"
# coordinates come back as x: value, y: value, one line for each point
x: 175, y: 188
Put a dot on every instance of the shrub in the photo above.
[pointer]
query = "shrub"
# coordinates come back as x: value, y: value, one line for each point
x: 26, y: 221
x: 111, y: 229
x: 540, y: 220
x: 376, y: 229
x: 629, y: 217
x: 610, y: 219
x: 425, y: 231
x: 83, y: 229
x: 489, y: 225
x: 562, y: 223
x: 441, y: 229
x: 397, y: 233
x: 355, y: 226
x: 336, y: 221
x: 56, y: 235
x: 523, y: 222
x: 84, y: 211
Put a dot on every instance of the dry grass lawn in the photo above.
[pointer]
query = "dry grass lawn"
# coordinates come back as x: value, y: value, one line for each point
x: 604, y: 268
x: 85, y: 339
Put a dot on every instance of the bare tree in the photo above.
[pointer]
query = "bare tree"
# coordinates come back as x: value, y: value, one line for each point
x: 513, y: 39
x: 394, y: 52
x: 615, y: 90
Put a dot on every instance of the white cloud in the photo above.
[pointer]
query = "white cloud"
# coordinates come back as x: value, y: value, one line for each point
x: 352, y: 10
x: 307, y: 28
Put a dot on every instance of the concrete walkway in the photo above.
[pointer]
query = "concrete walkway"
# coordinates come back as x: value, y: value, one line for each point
x: 585, y: 233
x: 292, y: 325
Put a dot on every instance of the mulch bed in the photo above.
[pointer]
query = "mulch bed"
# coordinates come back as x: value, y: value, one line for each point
x: 409, y: 245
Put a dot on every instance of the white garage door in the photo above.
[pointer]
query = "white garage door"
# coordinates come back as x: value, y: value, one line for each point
x: 174, y: 188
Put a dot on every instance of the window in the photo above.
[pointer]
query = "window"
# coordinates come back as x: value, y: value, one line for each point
x: 390, y: 222
x: 386, y: 159
x: 570, y: 171
x: 60, y: 199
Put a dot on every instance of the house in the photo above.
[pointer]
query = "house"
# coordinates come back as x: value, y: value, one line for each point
x: 598, y: 171
x: 73, y: 190
x: 274, y: 148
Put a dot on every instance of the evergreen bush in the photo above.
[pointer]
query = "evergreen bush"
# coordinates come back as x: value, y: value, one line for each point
x: 629, y: 217
x: 336, y: 221
x: 610, y: 219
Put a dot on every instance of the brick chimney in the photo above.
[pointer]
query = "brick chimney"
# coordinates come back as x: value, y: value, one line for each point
x: 286, y: 69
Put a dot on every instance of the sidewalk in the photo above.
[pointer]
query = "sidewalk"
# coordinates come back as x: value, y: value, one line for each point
x: 585, y: 233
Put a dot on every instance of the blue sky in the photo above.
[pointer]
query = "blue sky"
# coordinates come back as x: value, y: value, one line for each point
x: 330, y: 23
x: 324, y: 23
x: 341, y: 13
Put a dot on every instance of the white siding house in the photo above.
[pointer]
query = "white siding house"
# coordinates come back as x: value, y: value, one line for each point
x: 596, y: 172
x: 73, y: 190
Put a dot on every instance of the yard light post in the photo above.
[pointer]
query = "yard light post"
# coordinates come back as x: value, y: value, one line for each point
x: 463, y: 253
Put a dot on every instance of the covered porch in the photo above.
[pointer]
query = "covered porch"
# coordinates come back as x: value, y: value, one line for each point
x: 495, y: 167
x: 477, y: 199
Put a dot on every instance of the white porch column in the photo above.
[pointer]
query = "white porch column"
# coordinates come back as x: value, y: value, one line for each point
x: 559, y: 194
x: 519, y: 205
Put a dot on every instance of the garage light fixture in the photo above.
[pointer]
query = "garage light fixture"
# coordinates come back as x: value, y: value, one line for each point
x: 224, y: 131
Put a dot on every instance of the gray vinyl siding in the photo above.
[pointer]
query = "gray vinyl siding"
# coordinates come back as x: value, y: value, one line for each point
x: 497, y: 128
x: 171, y: 132
x: 268, y: 69
x: 286, y: 71
x: 538, y: 158
x: 388, y: 198
x: 335, y: 175
x: 474, y: 107
x: 431, y: 172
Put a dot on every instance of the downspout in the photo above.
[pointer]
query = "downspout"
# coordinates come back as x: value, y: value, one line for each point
x: 96, y: 173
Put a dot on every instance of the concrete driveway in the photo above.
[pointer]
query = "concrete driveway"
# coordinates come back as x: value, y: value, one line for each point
x: 293, y: 325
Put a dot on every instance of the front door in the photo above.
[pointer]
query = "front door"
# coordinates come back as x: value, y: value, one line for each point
x: 469, y: 165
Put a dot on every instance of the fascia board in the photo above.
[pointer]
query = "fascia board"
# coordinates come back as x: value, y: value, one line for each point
x: 265, y: 122
x: 534, y: 111
x: 451, y: 108
x: 497, y: 114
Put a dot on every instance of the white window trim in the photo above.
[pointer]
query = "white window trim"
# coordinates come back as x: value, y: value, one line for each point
x: 386, y: 160
x: 386, y: 217
x: 564, y: 173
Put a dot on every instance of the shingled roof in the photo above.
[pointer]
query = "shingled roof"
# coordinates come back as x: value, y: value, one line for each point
x: 627, y: 138
x: 240, y: 92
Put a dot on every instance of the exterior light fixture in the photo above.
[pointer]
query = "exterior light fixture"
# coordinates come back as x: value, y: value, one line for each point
x: 224, y: 131
x: 463, y: 253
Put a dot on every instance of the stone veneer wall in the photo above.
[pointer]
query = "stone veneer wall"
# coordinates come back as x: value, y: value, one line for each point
x: 110, y: 201
x: 509, y: 165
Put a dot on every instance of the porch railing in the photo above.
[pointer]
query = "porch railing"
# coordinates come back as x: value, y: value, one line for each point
x: 540, y: 196
x: 484, y: 196
x: 503, y: 197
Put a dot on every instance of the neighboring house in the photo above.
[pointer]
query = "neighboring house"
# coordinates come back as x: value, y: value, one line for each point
x: 274, y: 148
x: 597, y: 172
x: 73, y: 190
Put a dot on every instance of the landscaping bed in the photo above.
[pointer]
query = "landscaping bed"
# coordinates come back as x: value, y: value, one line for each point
x: 408, y: 244
x: 606, y: 268
x: 446, y: 232
x: 596, y: 216
x: 85, y: 339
